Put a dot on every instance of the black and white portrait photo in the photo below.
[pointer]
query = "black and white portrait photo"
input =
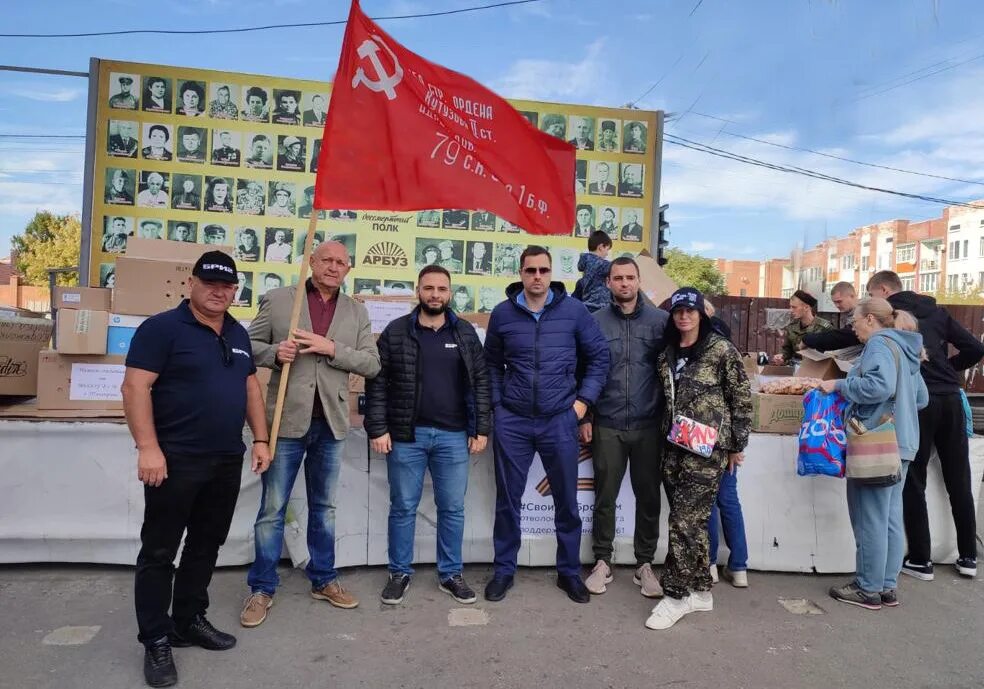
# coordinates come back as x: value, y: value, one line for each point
x: 218, y: 194
x: 316, y: 241
x: 282, y: 202
x: 488, y: 297
x: 215, y: 234
x: 154, y: 189
x: 226, y: 147
x: 315, y: 109
x: 584, y: 220
x: 116, y: 230
x: 634, y: 137
x: 478, y: 258
x: 191, y: 98
x: 554, y: 125
x: 259, y: 155
x: 246, y: 245
x: 269, y: 281
x: 631, y: 180
x: 290, y: 154
x: 581, y: 130
x: 278, y: 245
x: 507, y: 259
x: 244, y: 289
x: 530, y: 116
x: 107, y: 275
x: 343, y: 215
x: 454, y: 220
x: 564, y: 260
x: 608, y: 220
x: 307, y: 205
x: 429, y: 219
x: 483, y: 221
x: 633, y: 225
x: 182, y: 231
x: 367, y: 287
x: 427, y: 253
x: 287, y: 106
x: 250, y: 197
x: 223, y: 99
x: 580, y: 177
x: 256, y: 105
x: 156, y: 94
x: 121, y: 186
x: 462, y: 299
x: 122, y: 92
x: 122, y: 141
x: 602, y: 178
x: 506, y: 226
x: 186, y: 192
x: 315, y: 154
x: 191, y: 144
x: 157, y: 141
x: 607, y: 141
x: 150, y: 228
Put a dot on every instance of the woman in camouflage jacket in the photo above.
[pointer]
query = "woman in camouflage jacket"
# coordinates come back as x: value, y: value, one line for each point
x: 704, y: 380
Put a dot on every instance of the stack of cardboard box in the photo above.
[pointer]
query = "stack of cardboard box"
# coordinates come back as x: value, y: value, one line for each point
x: 23, y: 335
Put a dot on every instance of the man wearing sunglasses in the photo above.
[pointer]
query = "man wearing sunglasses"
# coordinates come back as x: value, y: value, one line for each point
x: 190, y: 383
x: 540, y: 337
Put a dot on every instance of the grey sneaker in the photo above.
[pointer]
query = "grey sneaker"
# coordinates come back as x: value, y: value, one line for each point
x: 395, y: 589
x: 599, y: 577
x: 647, y: 581
x: 890, y: 598
x: 456, y: 587
x: 852, y: 595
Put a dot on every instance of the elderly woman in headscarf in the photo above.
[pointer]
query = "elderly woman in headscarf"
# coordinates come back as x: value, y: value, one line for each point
x: 803, y: 309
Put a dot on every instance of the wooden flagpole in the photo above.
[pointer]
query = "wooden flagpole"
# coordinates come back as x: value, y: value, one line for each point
x: 295, y: 316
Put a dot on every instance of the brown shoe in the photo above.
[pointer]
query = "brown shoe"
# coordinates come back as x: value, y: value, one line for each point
x: 335, y: 594
x: 255, y: 609
x: 647, y: 581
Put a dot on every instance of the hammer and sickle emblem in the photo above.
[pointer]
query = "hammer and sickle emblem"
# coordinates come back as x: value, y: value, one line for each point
x: 386, y: 82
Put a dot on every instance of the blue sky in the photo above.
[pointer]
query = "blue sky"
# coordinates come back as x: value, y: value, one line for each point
x: 803, y: 73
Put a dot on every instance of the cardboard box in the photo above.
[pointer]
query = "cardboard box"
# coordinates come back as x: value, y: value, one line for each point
x: 653, y: 280
x: 777, y: 413
x: 21, y: 339
x: 91, y: 298
x: 167, y: 250
x: 833, y: 364
x: 145, y: 287
x: 79, y: 382
x: 777, y: 371
x: 120, y: 332
x: 81, y: 331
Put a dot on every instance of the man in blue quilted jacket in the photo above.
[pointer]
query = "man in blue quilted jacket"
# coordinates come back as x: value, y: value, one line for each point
x: 538, y: 340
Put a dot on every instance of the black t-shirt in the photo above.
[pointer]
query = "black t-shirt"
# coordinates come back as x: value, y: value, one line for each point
x: 199, y: 397
x: 683, y: 356
x: 442, y: 380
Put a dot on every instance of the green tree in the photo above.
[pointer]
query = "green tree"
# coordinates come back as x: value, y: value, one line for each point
x: 48, y: 241
x: 690, y: 270
x: 970, y: 297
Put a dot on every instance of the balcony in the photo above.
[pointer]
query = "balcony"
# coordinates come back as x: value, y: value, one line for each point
x: 928, y: 266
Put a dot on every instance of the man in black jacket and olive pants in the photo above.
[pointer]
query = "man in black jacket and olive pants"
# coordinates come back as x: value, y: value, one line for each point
x: 428, y: 408
x: 941, y: 423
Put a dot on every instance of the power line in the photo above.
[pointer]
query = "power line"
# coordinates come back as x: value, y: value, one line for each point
x: 659, y: 81
x: 836, y: 157
x: 919, y: 78
x: 729, y: 155
x: 246, y: 29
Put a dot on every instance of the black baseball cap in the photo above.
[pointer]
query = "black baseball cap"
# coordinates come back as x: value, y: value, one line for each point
x: 687, y: 298
x: 216, y: 266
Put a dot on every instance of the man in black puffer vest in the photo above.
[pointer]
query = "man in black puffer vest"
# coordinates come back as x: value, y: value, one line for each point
x: 428, y: 408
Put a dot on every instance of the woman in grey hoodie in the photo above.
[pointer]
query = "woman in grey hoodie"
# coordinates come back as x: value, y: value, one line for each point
x: 876, y: 388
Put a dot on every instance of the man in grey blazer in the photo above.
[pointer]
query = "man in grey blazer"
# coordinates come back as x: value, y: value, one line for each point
x: 334, y: 338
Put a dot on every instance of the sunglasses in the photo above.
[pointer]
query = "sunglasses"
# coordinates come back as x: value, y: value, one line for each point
x: 534, y: 271
x: 226, y: 351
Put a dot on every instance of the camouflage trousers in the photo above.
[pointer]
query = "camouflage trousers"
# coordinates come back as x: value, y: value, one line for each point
x: 691, y: 484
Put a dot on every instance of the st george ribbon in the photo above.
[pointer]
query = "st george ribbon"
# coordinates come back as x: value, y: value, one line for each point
x: 403, y: 133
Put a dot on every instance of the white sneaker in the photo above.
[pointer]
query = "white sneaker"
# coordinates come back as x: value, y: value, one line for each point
x: 600, y: 575
x: 738, y: 579
x: 701, y: 601
x: 714, y: 573
x: 668, y: 612
x: 647, y: 581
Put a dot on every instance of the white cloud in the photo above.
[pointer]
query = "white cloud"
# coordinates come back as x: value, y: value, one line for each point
x: 62, y: 95
x: 538, y: 79
x: 702, y: 246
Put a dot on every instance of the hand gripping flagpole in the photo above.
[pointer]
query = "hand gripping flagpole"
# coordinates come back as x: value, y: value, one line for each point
x: 295, y: 316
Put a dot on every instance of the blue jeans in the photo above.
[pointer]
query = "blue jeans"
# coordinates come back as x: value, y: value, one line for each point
x: 445, y: 453
x: 879, y: 538
x: 729, y: 508
x: 322, y: 457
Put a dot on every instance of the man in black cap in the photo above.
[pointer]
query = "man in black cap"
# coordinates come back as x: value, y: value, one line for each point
x: 190, y: 384
x: 124, y: 99
x: 803, y: 309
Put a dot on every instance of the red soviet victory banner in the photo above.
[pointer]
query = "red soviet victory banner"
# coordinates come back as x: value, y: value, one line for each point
x: 403, y: 133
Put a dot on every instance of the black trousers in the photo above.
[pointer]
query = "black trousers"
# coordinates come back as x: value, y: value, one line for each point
x: 941, y: 424
x: 199, y: 495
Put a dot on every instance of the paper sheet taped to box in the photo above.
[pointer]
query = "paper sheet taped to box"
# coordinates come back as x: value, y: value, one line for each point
x: 96, y: 382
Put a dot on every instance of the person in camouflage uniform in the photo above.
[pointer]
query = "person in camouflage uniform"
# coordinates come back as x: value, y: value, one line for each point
x: 803, y: 308
x: 705, y: 380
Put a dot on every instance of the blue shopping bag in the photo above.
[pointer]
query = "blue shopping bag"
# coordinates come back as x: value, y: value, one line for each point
x: 822, y: 440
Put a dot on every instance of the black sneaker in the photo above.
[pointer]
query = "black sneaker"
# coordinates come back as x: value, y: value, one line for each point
x: 573, y: 587
x: 497, y: 587
x: 967, y: 567
x: 853, y: 595
x: 201, y: 633
x: 456, y: 587
x: 890, y: 598
x: 159, y: 670
x: 917, y: 571
x: 395, y: 589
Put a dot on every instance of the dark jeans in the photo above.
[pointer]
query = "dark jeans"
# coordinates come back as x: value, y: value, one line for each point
x: 199, y: 495
x: 611, y: 451
x: 941, y: 424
